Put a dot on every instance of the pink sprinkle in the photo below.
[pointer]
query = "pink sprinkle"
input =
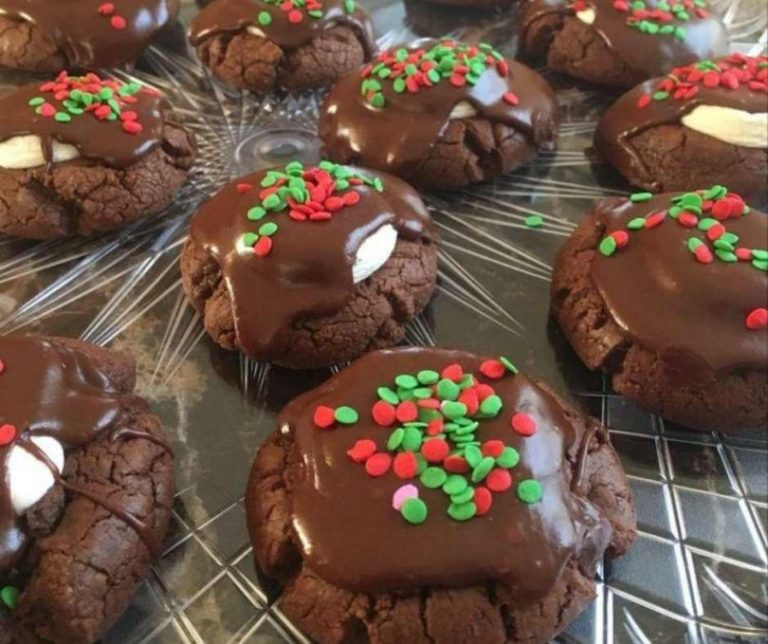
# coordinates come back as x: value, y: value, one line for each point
x: 402, y: 494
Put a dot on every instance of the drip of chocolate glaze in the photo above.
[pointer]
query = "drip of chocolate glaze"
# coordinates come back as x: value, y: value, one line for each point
x: 397, y: 138
x: 232, y: 16
x: 647, y: 54
x: 625, y: 119
x: 85, y: 36
x: 691, y: 314
x: 94, y: 139
x: 350, y: 536
x: 48, y: 389
x: 309, y: 270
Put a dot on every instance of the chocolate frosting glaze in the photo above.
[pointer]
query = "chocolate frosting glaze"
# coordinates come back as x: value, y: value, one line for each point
x: 309, y: 270
x: 350, y: 536
x: 232, y: 16
x: 85, y: 36
x: 648, y: 54
x: 397, y: 138
x: 626, y: 119
x: 47, y: 389
x: 98, y: 140
x: 692, y: 314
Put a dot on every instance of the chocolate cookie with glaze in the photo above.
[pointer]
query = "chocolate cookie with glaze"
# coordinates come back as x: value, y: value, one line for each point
x: 82, y: 155
x: 428, y: 495
x: 310, y: 266
x: 442, y: 115
x: 668, y: 295
x: 266, y: 45
x: 86, y: 488
x: 701, y: 124
x: 620, y: 44
x: 46, y: 36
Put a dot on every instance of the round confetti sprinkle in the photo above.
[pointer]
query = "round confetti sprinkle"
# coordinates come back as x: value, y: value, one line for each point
x: 498, y: 480
x: 407, y: 411
x: 362, y: 450
x: 482, y: 500
x: 456, y: 464
x: 7, y: 433
x: 455, y: 484
x: 453, y: 372
x: 383, y: 413
x: 405, y: 465
x: 435, y: 450
x: 433, y: 477
x: 491, y: 406
x: 264, y: 18
x: 524, y: 424
x: 412, y: 439
x: 406, y: 381
x: 494, y: 369
x: 396, y: 439
x: 473, y: 456
x: 414, y: 510
x: 346, y: 415
x: 462, y: 511
x: 324, y: 417
x: 427, y: 377
x: 10, y: 596
x: 529, y: 491
x: 386, y: 394
x: 402, y: 494
x: 378, y: 464
x: 482, y: 469
x: 757, y: 319
x: 509, y: 458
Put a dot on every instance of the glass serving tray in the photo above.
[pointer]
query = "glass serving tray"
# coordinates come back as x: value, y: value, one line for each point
x: 697, y: 572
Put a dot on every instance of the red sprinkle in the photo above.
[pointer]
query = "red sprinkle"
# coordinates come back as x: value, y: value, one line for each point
x: 407, y: 411
x: 655, y: 219
x: 378, y: 464
x: 483, y: 500
x: 492, y: 448
x: 362, y: 450
x: 644, y: 101
x: 242, y: 188
x: 524, y: 424
x: 498, y: 480
x: 117, y: 22
x: 435, y: 427
x: 621, y: 237
x: 383, y: 413
x: 456, y: 464
x: 703, y: 255
x: 106, y: 9
x: 2, y: 367
x: 324, y: 417
x: 493, y: 369
x: 470, y: 398
x: 483, y: 390
x: 132, y: 127
x: 716, y: 232
x: 405, y: 465
x: 453, y: 372
x: 263, y: 247
x: 757, y: 319
x: 435, y: 450
x: 7, y: 433
x: 511, y: 98
x: 295, y: 16
x: 48, y: 110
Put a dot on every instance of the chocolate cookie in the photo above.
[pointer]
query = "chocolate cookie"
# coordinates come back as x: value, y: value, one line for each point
x: 82, y: 155
x: 668, y: 294
x: 700, y: 124
x: 308, y: 267
x: 46, y: 36
x: 428, y: 495
x: 620, y: 43
x: 86, y: 487
x: 295, y: 45
x: 441, y: 114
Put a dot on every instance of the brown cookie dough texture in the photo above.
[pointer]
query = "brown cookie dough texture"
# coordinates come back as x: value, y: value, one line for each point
x: 44, y: 36
x: 488, y: 610
x: 646, y: 141
x: 307, y: 55
x: 317, y: 316
x: 85, y: 563
x: 608, y: 51
x: 712, y: 375
x: 443, y: 133
x: 118, y: 177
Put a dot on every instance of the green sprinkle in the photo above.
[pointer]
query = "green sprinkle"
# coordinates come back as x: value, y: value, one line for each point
x: 272, y: 202
x: 412, y: 439
x: 706, y: 223
x: 508, y: 458
x: 758, y: 253
x: 534, y: 221
x: 268, y: 229
x: 414, y: 511
x: 256, y: 213
x: 760, y: 264
x: 346, y: 415
x: 473, y: 456
x: 637, y: 197
x: 387, y: 395
x: 433, y: 477
x: 482, y: 469
x: 463, y: 497
x: 10, y: 596
x: 491, y: 406
x: 448, y: 390
x: 427, y: 377
x: 349, y: 6
x: 694, y: 243
x: 33, y: 102
x: 422, y: 393
x: 721, y: 244
x: 529, y: 491
x: 249, y: 239
x: 660, y: 96
x: 378, y: 100
x: 455, y: 484
x: 715, y: 192
x: 453, y: 409
x: 638, y: 223
x: 406, y: 381
x: 62, y: 117
x: 607, y: 246
x: 508, y: 364
x: 395, y: 439
x: 462, y: 511
x: 726, y: 256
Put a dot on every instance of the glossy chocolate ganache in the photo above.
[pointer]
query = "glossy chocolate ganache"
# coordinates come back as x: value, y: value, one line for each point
x: 287, y: 240
x: 91, y: 33
x: 289, y: 25
x: 650, y: 36
x: 53, y: 399
x: 103, y: 119
x: 686, y: 276
x: 736, y: 82
x: 390, y: 114
x: 421, y: 468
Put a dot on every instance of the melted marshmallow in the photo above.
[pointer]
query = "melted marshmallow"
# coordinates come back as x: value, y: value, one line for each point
x: 23, y: 152
x: 730, y: 125
x: 28, y: 477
